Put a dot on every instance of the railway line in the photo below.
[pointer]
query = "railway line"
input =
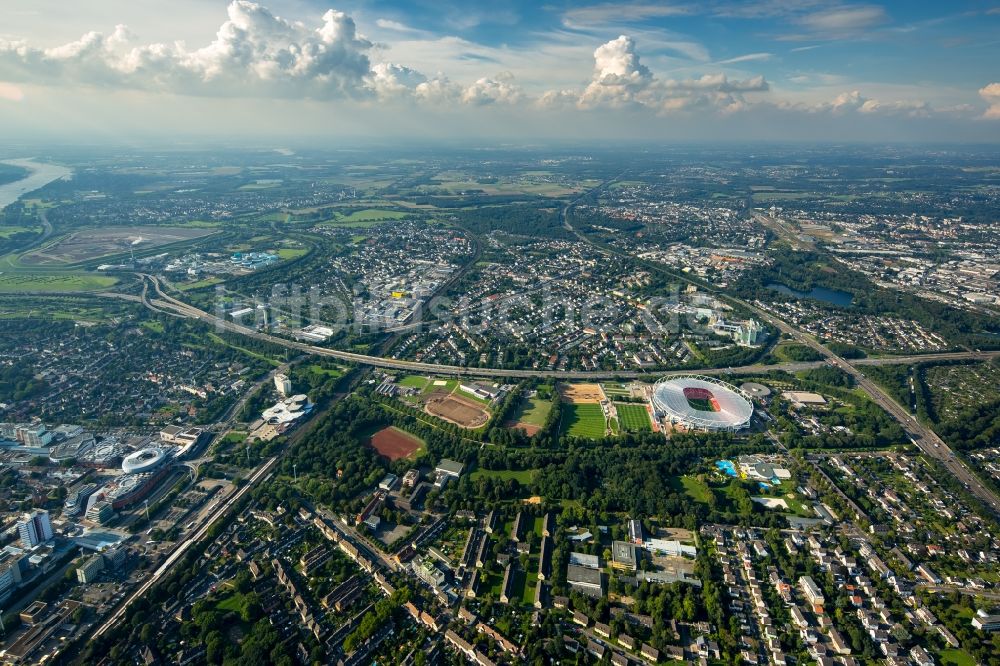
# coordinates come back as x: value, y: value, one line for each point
x: 166, y: 304
x: 263, y: 472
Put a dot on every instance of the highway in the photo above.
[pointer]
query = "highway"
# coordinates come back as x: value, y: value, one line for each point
x: 186, y: 542
x: 169, y: 305
x: 922, y: 437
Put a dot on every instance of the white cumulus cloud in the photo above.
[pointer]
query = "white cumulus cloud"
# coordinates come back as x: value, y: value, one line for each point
x: 254, y: 53
x: 499, y: 89
x: 392, y: 80
x: 991, y: 93
x: 618, y: 74
x: 621, y: 80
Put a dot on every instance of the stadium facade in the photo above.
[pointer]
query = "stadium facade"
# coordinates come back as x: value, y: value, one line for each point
x: 696, y: 402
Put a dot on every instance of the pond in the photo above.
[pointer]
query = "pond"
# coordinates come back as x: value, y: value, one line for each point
x: 832, y: 296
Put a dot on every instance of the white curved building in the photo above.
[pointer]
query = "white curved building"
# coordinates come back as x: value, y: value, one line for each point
x: 702, y: 403
x: 144, y: 460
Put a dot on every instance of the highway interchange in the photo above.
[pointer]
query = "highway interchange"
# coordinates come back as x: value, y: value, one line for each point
x: 921, y: 436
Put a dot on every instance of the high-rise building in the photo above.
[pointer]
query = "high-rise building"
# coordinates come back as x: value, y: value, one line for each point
x: 283, y: 384
x: 10, y: 572
x: 100, y: 512
x: 114, y: 558
x: 35, y: 528
x: 90, y: 569
x: 749, y: 333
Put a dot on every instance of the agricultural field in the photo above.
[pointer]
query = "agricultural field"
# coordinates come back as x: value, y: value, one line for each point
x: 583, y: 420
x: 633, y: 418
x: 37, y: 282
x: 775, y: 195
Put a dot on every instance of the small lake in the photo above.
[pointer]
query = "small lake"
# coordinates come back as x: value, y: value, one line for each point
x: 832, y: 296
x: 41, y: 174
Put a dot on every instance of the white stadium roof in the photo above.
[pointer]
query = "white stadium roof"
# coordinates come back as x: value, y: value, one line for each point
x: 734, y: 412
x: 144, y: 460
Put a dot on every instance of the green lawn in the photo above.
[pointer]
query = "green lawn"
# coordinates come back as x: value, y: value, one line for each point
x: 533, y: 411
x: 449, y: 385
x: 528, y: 582
x: 701, y: 404
x: 320, y: 370
x: 231, y: 602
x: 697, y: 490
x: 364, y: 218
x: 957, y: 658
x: 634, y: 418
x: 414, y: 381
x: 207, y: 282
x: 14, y: 282
x: 373, y: 215
x: 292, y: 252
x: 583, y: 420
x: 523, y: 476
x: 7, y: 232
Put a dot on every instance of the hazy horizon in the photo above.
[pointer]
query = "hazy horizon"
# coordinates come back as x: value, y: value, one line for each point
x: 392, y: 71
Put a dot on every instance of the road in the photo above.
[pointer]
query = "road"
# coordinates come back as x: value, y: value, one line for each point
x: 947, y: 589
x: 186, y: 542
x: 169, y: 305
x: 922, y: 437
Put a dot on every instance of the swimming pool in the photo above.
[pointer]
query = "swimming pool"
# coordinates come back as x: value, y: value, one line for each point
x: 726, y: 466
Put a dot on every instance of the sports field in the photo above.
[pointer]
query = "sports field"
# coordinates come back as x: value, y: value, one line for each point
x: 633, y: 418
x: 531, y: 415
x: 394, y: 443
x: 583, y: 420
x: 582, y: 393
x: 456, y: 408
x: 413, y: 381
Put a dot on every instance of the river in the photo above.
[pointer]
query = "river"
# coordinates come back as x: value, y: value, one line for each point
x: 41, y: 174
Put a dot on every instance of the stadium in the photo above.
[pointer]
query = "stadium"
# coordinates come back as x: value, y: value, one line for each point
x: 144, y: 460
x: 696, y: 402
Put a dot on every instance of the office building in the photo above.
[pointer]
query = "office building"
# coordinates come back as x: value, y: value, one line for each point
x: 35, y: 528
x: 283, y: 384
x: 90, y: 569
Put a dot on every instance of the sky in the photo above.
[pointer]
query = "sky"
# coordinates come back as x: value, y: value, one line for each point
x: 503, y: 70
